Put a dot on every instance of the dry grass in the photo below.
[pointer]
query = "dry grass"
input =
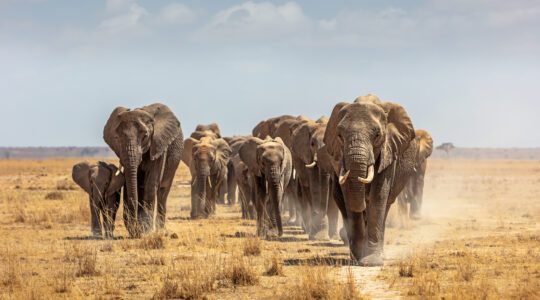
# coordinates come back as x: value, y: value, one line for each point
x: 478, y: 239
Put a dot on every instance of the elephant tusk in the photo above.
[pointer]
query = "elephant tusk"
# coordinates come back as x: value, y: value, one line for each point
x: 311, y: 165
x: 119, y: 169
x: 194, y: 181
x: 343, y: 176
x: 293, y: 174
x: 209, y: 182
x: 369, y: 179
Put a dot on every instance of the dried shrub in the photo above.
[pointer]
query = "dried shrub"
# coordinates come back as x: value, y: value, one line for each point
x: 252, y: 246
x: 54, y: 196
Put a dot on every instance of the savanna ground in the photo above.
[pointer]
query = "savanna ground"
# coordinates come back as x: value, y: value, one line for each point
x: 479, y: 238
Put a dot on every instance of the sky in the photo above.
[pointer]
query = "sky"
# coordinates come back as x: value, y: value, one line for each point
x: 466, y: 71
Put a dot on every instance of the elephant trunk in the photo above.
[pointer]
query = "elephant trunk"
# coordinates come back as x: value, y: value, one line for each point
x: 202, y: 204
x: 276, y: 194
x: 134, y: 157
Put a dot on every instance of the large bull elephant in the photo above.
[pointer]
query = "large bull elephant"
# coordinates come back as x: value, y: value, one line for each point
x: 314, y: 180
x: 149, y: 143
x: 207, y: 160
x: 270, y: 165
x: 373, y: 142
x: 103, y: 183
x: 414, y: 190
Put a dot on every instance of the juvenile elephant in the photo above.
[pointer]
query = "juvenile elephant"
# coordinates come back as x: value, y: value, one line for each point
x: 149, y: 143
x: 207, y: 160
x: 315, y: 181
x: 373, y: 142
x: 413, y: 192
x: 270, y: 165
x: 103, y: 183
x: 237, y: 177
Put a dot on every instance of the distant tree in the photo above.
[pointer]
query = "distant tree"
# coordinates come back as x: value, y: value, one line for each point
x: 446, y: 147
x: 7, y: 155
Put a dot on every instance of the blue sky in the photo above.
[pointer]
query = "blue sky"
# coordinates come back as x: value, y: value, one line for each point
x: 466, y: 71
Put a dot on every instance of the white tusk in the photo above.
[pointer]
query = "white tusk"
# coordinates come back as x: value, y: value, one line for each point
x: 209, y: 182
x: 343, y: 176
x: 371, y: 172
x: 194, y: 181
x: 311, y: 165
x: 119, y: 169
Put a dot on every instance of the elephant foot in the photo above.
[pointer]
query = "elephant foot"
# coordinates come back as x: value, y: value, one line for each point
x: 319, y: 236
x: 372, y: 260
x: 334, y: 237
x: 415, y: 216
x: 343, y: 236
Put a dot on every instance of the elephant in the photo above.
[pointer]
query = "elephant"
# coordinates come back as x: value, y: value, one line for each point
x: 268, y: 127
x: 242, y: 178
x: 270, y: 166
x: 103, y: 183
x: 414, y: 190
x: 207, y: 160
x: 315, y: 181
x: 149, y: 143
x: 213, y: 128
x: 373, y: 143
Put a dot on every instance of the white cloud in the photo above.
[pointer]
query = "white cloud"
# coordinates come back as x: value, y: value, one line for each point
x: 176, y: 13
x: 126, y: 19
x: 116, y: 6
x: 257, y: 20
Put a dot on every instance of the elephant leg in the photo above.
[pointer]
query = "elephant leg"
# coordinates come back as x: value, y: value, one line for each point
x: 333, y: 216
x: 95, y: 217
x: 109, y: 215
x: 339, y: 200
x: 221, y: 192
x: 417, y: 197
x: 151, y: 184
x: 402, y: 207
x: 129, y: 214
x: 171, y: 165
x: 376, y: 215
x: 231, y: 185
x: 259, y: 195
x: 306, y: 210
x: 163, y: 193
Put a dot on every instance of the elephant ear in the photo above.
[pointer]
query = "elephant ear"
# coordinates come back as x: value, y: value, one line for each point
x: 261, y: 130
x: 109, y: 131
x: 301, y: 143
x: 399, y: 133
x: 330, y: 136
x: 369, y: 98
x: 285, y: 151
x: 215, y: 128
x: 81, y: 176
x: 223, y: 149
x: 188, y: 150
x: 322, y: 120
x: 166, y: 128
x: 425, y: 145
x: 248, y: 154
x: 116, y: 181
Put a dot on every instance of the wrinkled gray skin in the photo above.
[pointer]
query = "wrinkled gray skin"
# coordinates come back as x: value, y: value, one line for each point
x: 414, y: 190
x: 149, y: 143
x: 207, y: 160
x: 103, y: 185
x: 270, y: 165
x: 284, y: 128
x: 369, y: 134
x: 315, y: 181
x: 238, y: 176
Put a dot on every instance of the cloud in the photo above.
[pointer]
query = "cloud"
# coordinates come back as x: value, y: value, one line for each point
x: 176, y: 13
x: 126, y: 17
x: 257, y: 20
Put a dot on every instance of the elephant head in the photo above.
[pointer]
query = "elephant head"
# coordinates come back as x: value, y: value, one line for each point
x: 132, y: 134
x: 205, y: 157
x: 425, y: 146
x: 268, y: 127
x: 103, y: 183
x: 366, y: 137
x: 210, y: 130
x: 270, y: 161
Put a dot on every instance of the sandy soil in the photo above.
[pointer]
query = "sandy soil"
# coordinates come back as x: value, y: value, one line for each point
x: 46, y: 250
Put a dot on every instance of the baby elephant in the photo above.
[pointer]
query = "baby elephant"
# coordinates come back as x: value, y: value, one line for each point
x: 103, y: 183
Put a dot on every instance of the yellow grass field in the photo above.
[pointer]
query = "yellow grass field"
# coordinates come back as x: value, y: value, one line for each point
x: 479, y: 239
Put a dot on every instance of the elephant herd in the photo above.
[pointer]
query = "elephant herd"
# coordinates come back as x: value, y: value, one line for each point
x: 304, y: 171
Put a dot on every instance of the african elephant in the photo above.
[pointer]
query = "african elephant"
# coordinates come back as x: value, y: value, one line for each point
x: 270, y: 165
x: 373, y: 142
x: 103, y: 183
x: 236, y: 176
x: 207, y: 160
x: 314, y: 180
x: 414, y: 190
x: 268, y: 127
x: 213, y: 128
x: 149, y: 143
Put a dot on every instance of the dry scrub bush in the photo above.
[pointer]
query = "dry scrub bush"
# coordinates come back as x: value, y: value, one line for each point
x: 319, y: 283
x: 152, y: 241
x: 275, y: 268
x: 54, y: 196
x: 252, y: 246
